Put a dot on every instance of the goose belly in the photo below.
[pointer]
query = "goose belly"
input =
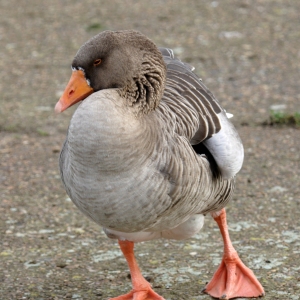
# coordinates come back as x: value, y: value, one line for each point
x: 127, y: 202
x: 137, y: 200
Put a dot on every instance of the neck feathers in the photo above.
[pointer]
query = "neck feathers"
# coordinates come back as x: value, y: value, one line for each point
x: 145, y: 90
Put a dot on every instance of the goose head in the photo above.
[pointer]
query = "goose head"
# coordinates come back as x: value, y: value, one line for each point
x: 124, y: 60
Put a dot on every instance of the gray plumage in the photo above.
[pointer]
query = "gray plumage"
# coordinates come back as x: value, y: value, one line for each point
x: 129, y: 159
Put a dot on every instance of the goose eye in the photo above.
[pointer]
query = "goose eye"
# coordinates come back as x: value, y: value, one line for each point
x: 97, y: 62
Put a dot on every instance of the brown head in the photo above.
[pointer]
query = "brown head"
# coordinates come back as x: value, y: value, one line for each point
x: 125, y: 60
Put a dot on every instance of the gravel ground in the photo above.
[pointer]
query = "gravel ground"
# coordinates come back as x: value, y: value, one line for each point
x: 247, y: 53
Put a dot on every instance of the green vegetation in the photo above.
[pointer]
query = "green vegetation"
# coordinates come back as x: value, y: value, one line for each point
x: 94, y: 26
x: 283, y: 118
x: 42, y: 132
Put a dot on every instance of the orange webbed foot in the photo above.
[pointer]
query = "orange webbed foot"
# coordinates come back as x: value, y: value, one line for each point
x: 141, y: 287
x: 140, y: 295
x: 232, y: 279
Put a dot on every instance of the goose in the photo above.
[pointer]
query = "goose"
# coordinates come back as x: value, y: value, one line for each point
x: 149, y: 152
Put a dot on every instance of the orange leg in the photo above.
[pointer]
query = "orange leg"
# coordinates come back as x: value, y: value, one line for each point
x: 141, y: 287
x: 232, y: 279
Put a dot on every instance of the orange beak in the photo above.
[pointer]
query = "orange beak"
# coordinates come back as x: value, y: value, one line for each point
x: 76, y: 90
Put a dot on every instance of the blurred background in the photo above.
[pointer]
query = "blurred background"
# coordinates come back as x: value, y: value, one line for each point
x: 246, y: 52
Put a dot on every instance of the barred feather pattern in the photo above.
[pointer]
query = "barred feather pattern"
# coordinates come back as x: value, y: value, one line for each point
x: 194, y: 105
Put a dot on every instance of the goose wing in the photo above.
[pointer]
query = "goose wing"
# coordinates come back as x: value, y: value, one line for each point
x: 199, y: 115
